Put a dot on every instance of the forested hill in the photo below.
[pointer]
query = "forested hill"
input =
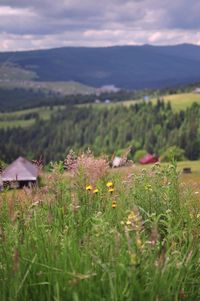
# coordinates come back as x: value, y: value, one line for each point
x: 142, y: 126
x: 123, y: 66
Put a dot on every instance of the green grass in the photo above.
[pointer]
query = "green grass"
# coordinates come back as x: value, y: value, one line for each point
x: 65, y: 243
x: 178, y: 101
x: 16, y: 123
x: 181, y: 101
x: 12, y: 119
x: 63, y: 88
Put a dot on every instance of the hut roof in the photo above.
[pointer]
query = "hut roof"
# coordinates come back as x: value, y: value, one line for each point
x: 148, y: 159
x: 20, y: 170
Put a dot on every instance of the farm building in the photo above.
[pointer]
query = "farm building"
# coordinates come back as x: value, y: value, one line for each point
x: 20, y: 173
x: 148, y: 159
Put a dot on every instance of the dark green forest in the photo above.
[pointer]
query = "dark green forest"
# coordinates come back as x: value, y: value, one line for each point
x: 106, y: 130
x: 128, y: 67
x: 19, y: 99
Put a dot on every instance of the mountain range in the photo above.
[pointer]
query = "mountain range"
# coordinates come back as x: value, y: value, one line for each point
x: 127, y: 67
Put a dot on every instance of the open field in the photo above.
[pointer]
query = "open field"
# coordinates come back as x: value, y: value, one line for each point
x: 62, y: 88
x: 18, y: 118
x: 178, y: 102
x: 135, y: 240
x: 191, y: 180
x: 181, y: 101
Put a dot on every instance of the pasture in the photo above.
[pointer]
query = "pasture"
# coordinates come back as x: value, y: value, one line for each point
x: 25, y: 118
x: 15, y: 119
x: 178, y: 102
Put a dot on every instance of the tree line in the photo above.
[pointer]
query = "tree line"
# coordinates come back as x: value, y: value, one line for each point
x: 106, y: 130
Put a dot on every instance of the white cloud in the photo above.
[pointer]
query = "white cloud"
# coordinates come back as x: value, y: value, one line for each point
x: 42, y: 24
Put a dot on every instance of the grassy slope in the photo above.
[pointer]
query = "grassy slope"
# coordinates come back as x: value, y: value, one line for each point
x: 63, y: 88
x: 178, y: 102
x: 181, y: 101
x: 44, y: 113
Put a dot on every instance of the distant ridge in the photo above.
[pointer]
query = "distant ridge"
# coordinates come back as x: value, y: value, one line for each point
x: 130, y: 67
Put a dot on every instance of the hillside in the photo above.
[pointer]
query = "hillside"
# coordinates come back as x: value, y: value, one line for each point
x: 131, y: 67
x: 144, y: 126
x: 179, y: 101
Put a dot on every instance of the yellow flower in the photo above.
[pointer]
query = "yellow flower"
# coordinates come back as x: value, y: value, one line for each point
x: 111, y: 190
x: 133, y: 259
x: 114, y: 204
x: 138, y: 242
x: 88, y: 187
x: 109, y: 184
x: 96, y: 191
x: 132, y: 217
x: 148, y: 187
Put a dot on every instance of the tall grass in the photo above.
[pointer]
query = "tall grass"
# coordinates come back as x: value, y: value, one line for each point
x: 64, y: 242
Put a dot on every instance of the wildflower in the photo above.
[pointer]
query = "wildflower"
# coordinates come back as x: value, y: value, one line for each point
x: 134, y: 221
x: 111, y: 190
x: 114, y: 204
x: 148, y: 187
x: 95, y: 191
x: 88, y: 187
x: 109, y: 184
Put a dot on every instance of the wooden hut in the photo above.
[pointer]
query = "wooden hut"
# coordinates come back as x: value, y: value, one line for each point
x: 20, y: 173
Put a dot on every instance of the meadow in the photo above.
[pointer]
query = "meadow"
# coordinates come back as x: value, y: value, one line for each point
x: 179, y: 102
x: 96, y: 234
x: 25, y: 118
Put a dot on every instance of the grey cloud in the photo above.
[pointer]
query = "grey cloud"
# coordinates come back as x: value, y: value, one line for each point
x: 141, y: 20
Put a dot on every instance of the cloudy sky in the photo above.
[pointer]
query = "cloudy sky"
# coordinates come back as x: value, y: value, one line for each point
x: 36, y: 24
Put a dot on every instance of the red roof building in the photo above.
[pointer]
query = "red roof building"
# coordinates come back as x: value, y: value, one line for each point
x: 149, y: 159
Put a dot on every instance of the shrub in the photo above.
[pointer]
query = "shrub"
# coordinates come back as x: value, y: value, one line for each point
x: 173, y: 152
x: 139, y: 154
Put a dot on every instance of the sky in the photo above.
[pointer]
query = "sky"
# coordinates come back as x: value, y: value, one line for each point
x: 40, y: 24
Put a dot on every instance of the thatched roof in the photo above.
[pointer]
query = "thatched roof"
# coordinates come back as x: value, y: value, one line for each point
x: 20, y: 170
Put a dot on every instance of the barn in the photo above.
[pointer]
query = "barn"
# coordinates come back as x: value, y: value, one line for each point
x: 20, y: 173
x: 148, y: 159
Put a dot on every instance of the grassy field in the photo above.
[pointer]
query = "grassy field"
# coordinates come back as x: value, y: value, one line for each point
x: 15, y: 119
x: 178, y: 101
x: 191, y: 180
x: 181, y: 101
x: 101, y: 236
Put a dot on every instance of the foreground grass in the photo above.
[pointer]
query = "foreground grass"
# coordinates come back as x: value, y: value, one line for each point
x: 65, y: 243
